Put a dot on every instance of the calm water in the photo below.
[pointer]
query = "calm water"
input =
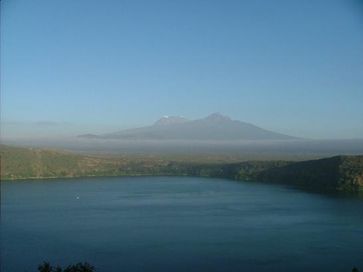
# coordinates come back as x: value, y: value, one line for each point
x: 177, y: 224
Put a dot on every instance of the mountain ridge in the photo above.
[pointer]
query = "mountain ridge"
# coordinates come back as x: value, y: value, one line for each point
x: 213, y: 127
x: 169, y: 120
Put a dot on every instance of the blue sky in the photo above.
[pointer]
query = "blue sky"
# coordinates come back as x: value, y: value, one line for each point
x: 291, y: 66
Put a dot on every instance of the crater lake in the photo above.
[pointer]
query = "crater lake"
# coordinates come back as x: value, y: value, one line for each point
x: 177, y: 224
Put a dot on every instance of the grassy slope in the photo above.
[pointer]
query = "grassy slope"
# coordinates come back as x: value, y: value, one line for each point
x: 342, y: 172
x: 19, y: 163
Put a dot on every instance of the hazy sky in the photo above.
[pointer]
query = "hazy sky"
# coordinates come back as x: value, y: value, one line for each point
x: 73, y: 66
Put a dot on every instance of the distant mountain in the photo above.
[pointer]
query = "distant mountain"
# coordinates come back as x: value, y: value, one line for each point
x: 170, y: 120
x: 88, y: 136
x: 214, y: 127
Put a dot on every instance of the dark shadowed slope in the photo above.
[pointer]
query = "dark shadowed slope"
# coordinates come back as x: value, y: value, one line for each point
x: 341, y: 172
x: 213, y: 127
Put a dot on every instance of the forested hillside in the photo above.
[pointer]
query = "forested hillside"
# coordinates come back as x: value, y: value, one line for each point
x: 337, y: 173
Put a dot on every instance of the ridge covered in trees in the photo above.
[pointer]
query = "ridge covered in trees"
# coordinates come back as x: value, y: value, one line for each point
x: 344, y: 173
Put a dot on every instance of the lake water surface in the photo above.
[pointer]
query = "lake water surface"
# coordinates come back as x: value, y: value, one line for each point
x: 177, y: 224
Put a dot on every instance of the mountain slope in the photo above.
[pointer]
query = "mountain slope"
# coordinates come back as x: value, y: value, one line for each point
x: 213, y: 127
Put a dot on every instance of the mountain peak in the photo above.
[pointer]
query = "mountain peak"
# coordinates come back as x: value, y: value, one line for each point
x: 218, y: 117
x: 170, y: 120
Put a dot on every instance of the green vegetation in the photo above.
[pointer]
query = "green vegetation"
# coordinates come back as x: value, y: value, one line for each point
x: 343, y: 173
x: 25, y: 163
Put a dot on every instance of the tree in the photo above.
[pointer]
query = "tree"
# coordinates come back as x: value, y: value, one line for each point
x: 79, y: 267
x: 45, y: 267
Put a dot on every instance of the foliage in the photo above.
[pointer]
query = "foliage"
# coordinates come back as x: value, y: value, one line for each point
x: 343, y: 173
x: 79, y: 267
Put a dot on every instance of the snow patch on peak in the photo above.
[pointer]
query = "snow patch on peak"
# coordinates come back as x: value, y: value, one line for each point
x: 170, y: 120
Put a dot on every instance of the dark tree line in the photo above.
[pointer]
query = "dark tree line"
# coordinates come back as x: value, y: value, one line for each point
x: 85, y: 267
x: 79, y: 267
